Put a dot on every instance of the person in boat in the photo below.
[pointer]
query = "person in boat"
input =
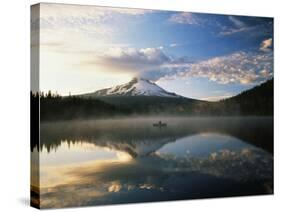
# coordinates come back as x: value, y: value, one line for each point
x: 160, y: 124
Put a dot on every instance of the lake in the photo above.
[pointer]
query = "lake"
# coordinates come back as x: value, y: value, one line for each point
x: 98, y: 162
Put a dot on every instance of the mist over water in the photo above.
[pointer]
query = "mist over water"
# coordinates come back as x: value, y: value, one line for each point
x: 129, y: 160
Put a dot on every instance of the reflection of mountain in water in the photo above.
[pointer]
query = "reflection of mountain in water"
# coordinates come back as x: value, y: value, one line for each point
x: 135, y: 143
x: 156, y: 175
x: 164, y: 177
x: 137, y: 148
x: 140, y: 138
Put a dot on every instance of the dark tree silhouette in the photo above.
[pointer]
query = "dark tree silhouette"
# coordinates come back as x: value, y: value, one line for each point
x: 257, y: 101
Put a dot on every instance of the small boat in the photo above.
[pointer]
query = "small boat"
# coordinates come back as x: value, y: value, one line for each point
x: 160, y: 124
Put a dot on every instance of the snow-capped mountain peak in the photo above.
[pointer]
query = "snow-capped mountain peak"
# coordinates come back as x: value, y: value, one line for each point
x: 136, y: 87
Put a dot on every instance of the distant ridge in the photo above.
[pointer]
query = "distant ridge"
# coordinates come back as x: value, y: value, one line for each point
x: 255, y: 101
x: 262, y: 91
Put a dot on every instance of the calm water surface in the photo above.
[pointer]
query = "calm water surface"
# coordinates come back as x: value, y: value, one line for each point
x: 128, y: 160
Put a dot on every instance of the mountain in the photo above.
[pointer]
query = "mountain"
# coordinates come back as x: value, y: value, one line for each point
x: 141, y: 96
x: 136, y: 87
x: 255, y: 101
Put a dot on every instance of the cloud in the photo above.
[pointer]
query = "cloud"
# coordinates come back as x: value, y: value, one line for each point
x: 143, y: 62
x: 248, y: 26
x: 174, y: 45
x: 230, y: 30
x: 153, y: 63
x: 187, y: 18
x: 62, y: 15
x: 236, y: 26
x: 150, y: 63
x: 266, y: 45
x: 240, y: 67
x: 135, y: 59
x: 224, y: 25
x: 76, y: 27
x: 238, y: 23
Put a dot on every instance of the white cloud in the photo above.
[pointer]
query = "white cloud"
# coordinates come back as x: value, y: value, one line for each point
x: 63, y: 15
x: 230, y: 30
x: 186, y: 18
x: 240, y: 67
x: 173, y: 45
x: 130, y: 60
x: 266, y: 45
x: 238, y: 23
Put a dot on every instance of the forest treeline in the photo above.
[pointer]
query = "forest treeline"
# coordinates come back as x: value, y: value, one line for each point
x: 257, y: 101
x: 56, y: 107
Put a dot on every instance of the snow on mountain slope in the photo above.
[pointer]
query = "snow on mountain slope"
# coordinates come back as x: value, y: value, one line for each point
x: 136, y: 87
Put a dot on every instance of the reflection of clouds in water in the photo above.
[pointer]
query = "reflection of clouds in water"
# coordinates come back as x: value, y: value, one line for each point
x: 67, y: 196
x: 79, y: 152
x: 114, y: 187
x: 34, y: 168
x: 52, y: 176
x: 123, y: 156
x: 117, y: 164
x: 244, y: 165
x: 202, y: 144
x: 159, y: 173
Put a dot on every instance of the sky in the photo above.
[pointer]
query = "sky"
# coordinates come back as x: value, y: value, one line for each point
x: 202, y: 56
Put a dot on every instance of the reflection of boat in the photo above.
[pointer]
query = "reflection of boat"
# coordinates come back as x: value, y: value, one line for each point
x: 159, y: 124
